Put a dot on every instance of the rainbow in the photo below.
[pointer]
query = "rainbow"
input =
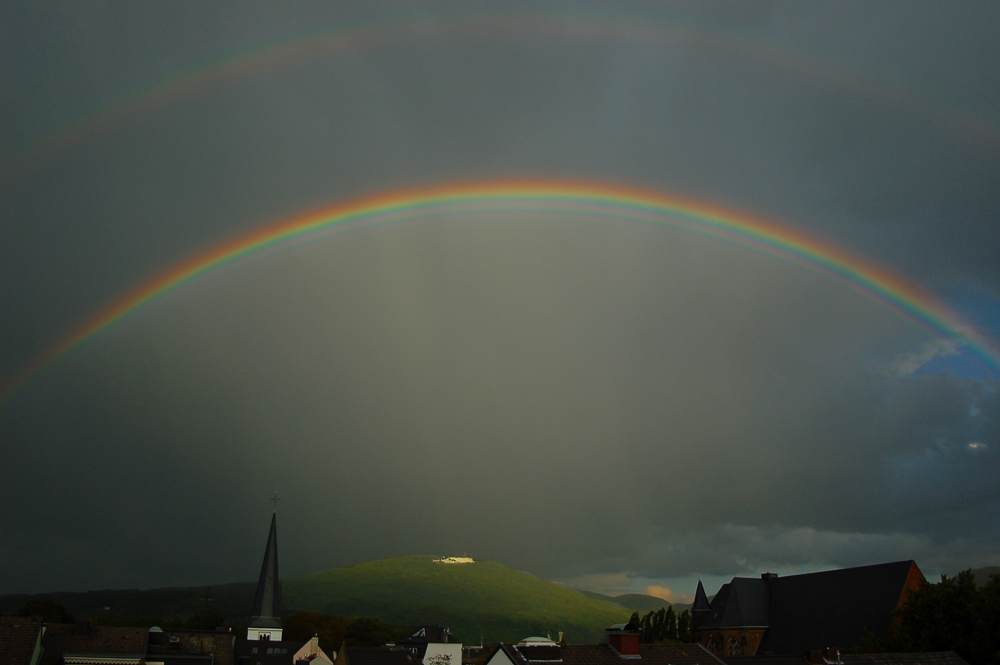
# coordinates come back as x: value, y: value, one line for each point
x: 279, y: 55
x: 581, y: 200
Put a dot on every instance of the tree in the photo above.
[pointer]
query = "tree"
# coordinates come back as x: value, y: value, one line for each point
x: 952, y: 615
x: 684, y: 627
x: 659, y: 626
x: 48, y: 610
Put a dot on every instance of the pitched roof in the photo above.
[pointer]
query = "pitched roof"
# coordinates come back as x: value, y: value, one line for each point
x: 267, y: 601
x: 82, y: 639
x: 354, y: 655
x: 932, y: 658
x: 742, y: 602
x: 815, y: 610
x: 181, y: 647
x: 18, y: 639
x: 604, y: 654
x: 700, y: 600
x: 833, y: 608
x: 427, y: 634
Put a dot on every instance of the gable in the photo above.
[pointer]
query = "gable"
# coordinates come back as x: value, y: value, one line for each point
x: 833, y: 608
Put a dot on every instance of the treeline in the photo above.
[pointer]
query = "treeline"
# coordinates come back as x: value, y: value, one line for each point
x: 663, y: 626
x: 953, y: 615
x: 298, y: 626
x: 334, y: 631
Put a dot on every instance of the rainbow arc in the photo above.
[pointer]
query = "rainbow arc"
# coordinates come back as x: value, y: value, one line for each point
x: 569, y: 199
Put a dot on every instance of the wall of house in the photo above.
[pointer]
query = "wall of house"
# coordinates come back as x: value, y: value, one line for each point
x: 733, y: 641
x: 443, y: 654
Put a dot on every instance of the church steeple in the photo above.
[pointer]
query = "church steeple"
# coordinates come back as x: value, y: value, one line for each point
x: 265, y: 622
x: 701, y: 607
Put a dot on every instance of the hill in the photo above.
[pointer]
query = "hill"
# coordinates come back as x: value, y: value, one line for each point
x: 982, y: 575
x: 168, y: 603
x: 479, y: 599
x: 637, y: 602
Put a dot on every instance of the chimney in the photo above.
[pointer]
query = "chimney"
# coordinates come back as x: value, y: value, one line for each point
x: 624, y: 638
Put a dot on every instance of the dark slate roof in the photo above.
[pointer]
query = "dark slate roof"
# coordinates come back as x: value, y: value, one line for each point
x: 267, y: 601
x: 421, y: 636
x: 604, y: 654
x: 700, y: 599
x: 79, y: 639
x: 354, y: 655
x: 769, y: 659
x: 742, y: 602
x: 833, y: 608
x: 191, y: 647
x: 427, y: 635
x: 18, y: 638
x: 934, y: 658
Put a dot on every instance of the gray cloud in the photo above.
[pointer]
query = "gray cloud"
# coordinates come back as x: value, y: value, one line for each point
x: 597, y: 398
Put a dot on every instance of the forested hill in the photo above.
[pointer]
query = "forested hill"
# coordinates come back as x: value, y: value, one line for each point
x: 481, y: 599
x: 478, y: 600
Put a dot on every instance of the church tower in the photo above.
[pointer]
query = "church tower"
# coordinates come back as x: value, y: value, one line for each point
x: 265, y: 622
x: 700, y: 610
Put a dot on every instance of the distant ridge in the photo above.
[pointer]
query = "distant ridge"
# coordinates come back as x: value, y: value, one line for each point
x: 637, y: 602
x: 982, y: 575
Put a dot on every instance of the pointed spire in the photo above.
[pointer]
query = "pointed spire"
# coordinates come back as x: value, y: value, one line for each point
x: 701, y: 608
x: 266, y: 617
x: 700, y: 600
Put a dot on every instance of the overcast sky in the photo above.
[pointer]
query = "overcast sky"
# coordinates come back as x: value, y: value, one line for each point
x: 618, y: 406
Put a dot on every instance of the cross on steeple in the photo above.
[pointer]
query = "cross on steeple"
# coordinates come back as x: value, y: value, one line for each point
x: 274, y: 499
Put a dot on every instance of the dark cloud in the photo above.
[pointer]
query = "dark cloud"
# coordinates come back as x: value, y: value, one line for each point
x: 587, y: 400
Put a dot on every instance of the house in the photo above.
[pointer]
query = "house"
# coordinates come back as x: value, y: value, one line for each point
x: 84, y: 644
x: 432, y: 645
x: 387, y: 655
x: 20, y: 640
x: 189, y: 647
x: 835, y: 657
x: 934, y: 658
x: 622, y: 645
x: 798, y: 613
x: 310, y: 653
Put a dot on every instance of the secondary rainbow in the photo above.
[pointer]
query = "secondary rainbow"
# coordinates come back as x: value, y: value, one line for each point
x: 569, y: 199
x: 280, y: 55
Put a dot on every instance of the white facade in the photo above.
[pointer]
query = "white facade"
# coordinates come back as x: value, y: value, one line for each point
x: 264, y: 634
x: 439, y: 653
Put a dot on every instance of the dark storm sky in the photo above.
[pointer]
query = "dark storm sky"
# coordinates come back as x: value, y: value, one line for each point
x: 604, y: 404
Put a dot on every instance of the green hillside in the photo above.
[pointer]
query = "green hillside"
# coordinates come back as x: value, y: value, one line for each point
x: 480, y: 599
x: 639, y: 602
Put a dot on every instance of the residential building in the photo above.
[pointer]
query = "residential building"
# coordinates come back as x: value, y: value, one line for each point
x: 20, y: 640
x: 432, y: 645
x: 622, y: 645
